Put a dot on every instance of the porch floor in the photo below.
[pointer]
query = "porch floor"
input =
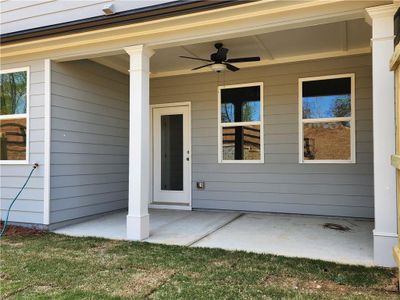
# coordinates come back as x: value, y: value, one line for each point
x: 288, y: 235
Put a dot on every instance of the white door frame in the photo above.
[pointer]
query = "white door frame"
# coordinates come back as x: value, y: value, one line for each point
x: 172, y: 206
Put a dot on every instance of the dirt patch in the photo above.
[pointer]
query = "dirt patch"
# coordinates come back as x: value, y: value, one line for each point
x: 126, y: 284
x: 13, y: 230
x: 390, y: 289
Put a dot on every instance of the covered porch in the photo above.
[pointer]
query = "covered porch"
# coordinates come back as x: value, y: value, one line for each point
x: 341, y: 240
x: 152, y: 79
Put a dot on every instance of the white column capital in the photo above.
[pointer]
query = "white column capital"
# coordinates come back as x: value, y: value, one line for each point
x: 380, y: 12
x: 142, y: 50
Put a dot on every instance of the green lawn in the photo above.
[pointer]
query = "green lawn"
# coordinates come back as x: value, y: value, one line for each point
x: 51, y: 266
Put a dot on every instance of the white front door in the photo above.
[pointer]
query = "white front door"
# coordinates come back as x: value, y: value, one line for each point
x: 171, y: 155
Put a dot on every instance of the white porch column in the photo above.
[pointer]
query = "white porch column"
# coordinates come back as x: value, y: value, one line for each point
x: 139, y: 141
x: 385, y: 232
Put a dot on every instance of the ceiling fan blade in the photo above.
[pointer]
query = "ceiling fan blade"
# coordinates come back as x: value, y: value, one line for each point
x: 202, y: 67
x: 231, y: 67
x: 195, y: 58
x: 243, y: 59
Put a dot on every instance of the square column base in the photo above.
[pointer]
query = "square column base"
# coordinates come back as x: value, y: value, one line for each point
x: 383, y: 248
x: 137, y: 227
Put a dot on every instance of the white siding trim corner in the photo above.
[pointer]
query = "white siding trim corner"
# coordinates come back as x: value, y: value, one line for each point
x: 47, y: 141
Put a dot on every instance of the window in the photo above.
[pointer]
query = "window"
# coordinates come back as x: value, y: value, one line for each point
x: 240, y: 124
x: 326, y: 119
x: 14, y: 106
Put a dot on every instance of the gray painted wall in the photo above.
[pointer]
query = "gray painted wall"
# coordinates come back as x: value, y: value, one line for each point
x: 281, y: 184
x: 89, y: 147
x: 29, y: 206
x: 16, y: 15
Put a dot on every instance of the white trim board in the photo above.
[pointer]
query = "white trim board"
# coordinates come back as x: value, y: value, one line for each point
x: 47, y: 141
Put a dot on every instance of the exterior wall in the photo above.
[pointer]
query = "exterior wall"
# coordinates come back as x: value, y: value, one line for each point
x: 89, y: 140
x: 19, y: 15
x: 29, y: 206
x: 281, y: 184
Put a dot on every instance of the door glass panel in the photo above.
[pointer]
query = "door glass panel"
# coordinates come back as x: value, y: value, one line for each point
x: 172, y: 153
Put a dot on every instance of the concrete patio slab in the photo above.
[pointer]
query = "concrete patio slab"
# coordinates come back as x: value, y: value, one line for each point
x: 297, y: 236
x: 172, y: 227
x: 288, y: 235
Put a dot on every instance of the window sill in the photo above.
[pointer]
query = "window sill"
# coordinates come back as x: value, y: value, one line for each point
x: 14, y: 162
x: 241, y: 162
x: 327, y: 162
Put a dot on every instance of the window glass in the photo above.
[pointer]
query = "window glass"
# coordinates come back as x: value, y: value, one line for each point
x: 327, y: 141
x: 241, y: 142
x: 172, y: 153
x: 13, y: 93
x: 240, y: 104
x: 327, y: 106
x: 330, y: 98
x: 13, y: 139
x: 13, y: 116
x: 327, y: 119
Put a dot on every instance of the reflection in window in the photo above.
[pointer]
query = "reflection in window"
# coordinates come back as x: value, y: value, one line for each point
x: 241, y: 143
x: 241, y: 131
x: 13, y: 116
x: 327, y: 119
x: 13, y: 139
x: 13, y: 93
x: 327, y: 141
x: 240, y: 104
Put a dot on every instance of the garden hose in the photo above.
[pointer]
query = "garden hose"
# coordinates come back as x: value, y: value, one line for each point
x: 35, y: 165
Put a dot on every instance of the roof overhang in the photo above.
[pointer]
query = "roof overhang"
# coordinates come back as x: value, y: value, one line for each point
x: 245, y: 18
x: 149, y: 13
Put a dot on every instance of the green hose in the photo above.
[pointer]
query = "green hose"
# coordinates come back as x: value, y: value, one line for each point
x: 8, y: 212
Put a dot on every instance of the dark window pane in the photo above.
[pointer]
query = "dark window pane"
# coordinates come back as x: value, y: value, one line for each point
x: 240, y: 104
x: 241, y: 143
x: 13, y: 139
x: 172, y: 153
x: 13, y: 93
x: 329, y: 98
x: 327, y: 141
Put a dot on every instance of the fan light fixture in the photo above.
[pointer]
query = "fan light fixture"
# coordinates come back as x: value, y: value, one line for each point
x: 218, y: 67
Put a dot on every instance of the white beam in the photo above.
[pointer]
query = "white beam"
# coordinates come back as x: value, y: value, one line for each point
x: 385, y: 232
x: 139, y: 142
x: 264, y: 47
x: 345, y: 44
x: 113, y: 63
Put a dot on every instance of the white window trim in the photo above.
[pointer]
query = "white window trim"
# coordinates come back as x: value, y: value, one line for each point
x: 352, y: 119
x: 261, y: 123
x: 18, y: 116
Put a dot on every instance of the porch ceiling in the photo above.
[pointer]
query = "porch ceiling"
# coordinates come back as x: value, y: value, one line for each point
x: 340, y: 38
